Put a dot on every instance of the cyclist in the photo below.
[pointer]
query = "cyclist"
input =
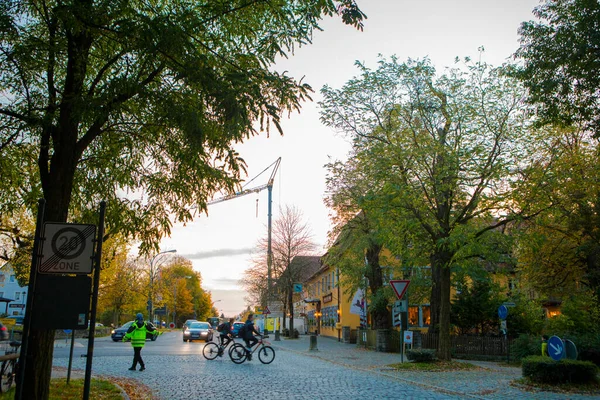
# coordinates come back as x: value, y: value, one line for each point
x: 225, y: 335
x: 248, y: 335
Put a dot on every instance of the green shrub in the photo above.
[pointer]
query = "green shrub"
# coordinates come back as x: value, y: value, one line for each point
x: 525, y: 346
x: 421, y: 355
x: 545, y: 370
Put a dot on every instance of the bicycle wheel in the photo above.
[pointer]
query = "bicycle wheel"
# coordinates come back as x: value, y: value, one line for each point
x: 266, y: 354
x: 6, y: 375
x: 238, y: 353
x: 210, y: 351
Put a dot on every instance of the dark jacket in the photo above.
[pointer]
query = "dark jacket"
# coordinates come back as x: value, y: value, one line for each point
x: 226, y: 329
x: 249, y: 329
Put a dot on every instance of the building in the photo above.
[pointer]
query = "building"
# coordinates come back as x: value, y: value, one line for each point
x: 11, y: 290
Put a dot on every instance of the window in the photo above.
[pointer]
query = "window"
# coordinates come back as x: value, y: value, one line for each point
x: 12, y: 278
x: 413, y: 316
x: 426, y: 315
x: 2, y: 278
x: 18, y: 296
x: 1, y: 294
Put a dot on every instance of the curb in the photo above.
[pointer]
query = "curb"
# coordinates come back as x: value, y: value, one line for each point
x: 387, y: 375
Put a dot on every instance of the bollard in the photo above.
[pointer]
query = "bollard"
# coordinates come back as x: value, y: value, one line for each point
x: 313, y: 343
x: 277, y: 338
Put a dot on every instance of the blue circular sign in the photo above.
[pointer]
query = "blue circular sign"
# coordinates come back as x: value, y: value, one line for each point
x: 67, y: 331
x: 556, y: 348
x: 502, y: 312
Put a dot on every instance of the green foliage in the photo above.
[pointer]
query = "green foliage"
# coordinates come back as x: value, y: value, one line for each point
x: 524, y: 346
x: 580, y: 315
x: 475, y: 307
x: 545, y: 370
x: 560, y: 67
x: 527, y: 317
x: 421, y: 355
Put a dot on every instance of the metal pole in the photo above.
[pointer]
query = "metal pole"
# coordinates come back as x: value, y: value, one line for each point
x: 269, y: 250
x: 90, y: 352
x: 339, y: 310
x: 71, y: 356
x: 30, y: 297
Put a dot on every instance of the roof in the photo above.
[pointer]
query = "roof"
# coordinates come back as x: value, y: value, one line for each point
x: 306, y: 266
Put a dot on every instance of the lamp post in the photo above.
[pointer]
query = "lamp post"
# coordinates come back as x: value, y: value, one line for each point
x: 153, y: 271
x: 175, y: 298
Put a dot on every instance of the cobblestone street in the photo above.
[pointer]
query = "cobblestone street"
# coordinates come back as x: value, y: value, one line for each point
x: 336, y: 371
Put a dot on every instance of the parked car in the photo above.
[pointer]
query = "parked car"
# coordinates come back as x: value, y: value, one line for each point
x: 235, y: 329
x: 4, y: 335
x: 187, y: 323
x: 198, y: 331
x: 118, y: 333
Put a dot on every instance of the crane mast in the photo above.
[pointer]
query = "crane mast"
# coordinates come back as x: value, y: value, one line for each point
x: 257, y: 189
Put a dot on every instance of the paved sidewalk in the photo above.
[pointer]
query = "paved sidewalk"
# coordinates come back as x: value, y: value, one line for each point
x: 490, y: 381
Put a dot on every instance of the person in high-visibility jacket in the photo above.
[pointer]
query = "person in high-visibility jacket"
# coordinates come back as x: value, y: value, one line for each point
x: 137, y: 334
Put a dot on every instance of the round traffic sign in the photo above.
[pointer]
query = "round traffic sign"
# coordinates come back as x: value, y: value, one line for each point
x: 67, y: 331
x: 556, y: 348
x: 502, y: 312
x: 171, y: 325
x: 68, y: 243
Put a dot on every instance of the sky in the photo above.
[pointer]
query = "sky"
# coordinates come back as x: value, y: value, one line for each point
x: 220, y: 244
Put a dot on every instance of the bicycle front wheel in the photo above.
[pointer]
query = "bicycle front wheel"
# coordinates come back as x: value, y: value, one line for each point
x: 266, y: 354
x: 6, y: 376
x: 238, y: 353
x: 210, y: 351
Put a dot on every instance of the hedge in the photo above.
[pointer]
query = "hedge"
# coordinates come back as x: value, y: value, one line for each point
x: 545, y: 370
x: 421, y: 355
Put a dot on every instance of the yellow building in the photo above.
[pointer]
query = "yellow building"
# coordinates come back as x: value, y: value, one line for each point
x: 327, y: 308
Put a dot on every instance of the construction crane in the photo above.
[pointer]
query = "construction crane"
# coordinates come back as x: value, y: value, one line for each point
x: 274, y: 167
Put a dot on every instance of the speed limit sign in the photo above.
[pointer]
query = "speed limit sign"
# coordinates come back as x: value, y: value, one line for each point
x: 67, y: 249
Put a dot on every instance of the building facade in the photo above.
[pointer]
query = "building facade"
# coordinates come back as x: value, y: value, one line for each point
x: 11, y: 290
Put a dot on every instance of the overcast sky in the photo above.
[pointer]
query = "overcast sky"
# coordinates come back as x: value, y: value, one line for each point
x: 219, y: 244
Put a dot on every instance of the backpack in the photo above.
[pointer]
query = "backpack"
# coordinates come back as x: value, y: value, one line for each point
x: 242, y: 331
x: 222, y: 328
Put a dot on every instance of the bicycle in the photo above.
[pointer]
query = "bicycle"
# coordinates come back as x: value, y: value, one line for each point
x: 8, y: 370
x: 213, y: 350
x: 266, y: 354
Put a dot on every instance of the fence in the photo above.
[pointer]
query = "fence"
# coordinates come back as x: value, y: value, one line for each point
x: 470, y: 345
x: 366, y: 338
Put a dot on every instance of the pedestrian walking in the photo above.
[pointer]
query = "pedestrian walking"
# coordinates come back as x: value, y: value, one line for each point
x: 545, y: 345
x: 137, y: 334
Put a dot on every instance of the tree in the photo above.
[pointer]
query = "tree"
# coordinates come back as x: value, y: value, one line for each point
x: 561, y: 59
x: 444, y: 151
x: 475, y: 307
x: 291, y: 237
x: 356, y: 241
x: 123, y: 96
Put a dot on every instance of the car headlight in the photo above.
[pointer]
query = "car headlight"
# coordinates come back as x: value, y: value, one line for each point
x: 112, y: 332
x: 186, y: 333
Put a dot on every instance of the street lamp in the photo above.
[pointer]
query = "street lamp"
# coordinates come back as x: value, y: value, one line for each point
x: 153, y: 271
x: 175, y: 298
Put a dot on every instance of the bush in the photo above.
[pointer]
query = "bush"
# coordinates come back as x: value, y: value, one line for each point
x: 545, y: 370
x: 525, y: 346
x: 421, y: 355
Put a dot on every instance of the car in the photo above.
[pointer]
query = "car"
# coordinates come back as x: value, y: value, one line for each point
x: 117, y: 334
x: 235, y: 329
x: 198, y: 331
x: 4, y: 335
x: 188, y: 322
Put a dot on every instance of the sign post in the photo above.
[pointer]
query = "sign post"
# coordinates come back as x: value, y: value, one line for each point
x: 400, y: 287
x: 502, y: 314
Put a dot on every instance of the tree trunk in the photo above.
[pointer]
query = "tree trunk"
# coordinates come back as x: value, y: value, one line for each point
x: 379, y: 311
x: 291, y: 305
x: 435, y: 300
x: 444, y: 334
x: 284, y: 315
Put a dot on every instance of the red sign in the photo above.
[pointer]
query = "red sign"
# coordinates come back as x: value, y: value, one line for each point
x: 171, y: 325
x: 399, y: 288
x: 266, y: 310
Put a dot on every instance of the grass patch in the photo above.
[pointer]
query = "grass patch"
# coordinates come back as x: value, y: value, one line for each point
x: 438, y: 366
x: 59, y: 390
x: 573, y: 388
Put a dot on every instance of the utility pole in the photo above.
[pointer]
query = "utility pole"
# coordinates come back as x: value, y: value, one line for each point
x: 152, y: 276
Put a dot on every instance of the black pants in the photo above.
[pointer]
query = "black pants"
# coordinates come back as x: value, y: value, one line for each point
x: 250, y: 341
x: 225, y: 340
x: 137, y: 357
